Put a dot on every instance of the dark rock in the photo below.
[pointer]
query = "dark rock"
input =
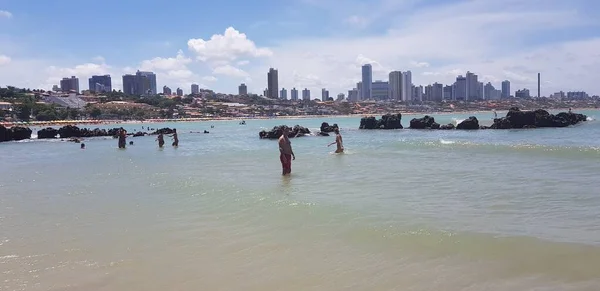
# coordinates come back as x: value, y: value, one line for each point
x: 165, y: 130
x: 323, y: 134
x: 69, y: 131
x: 47, y: 132
x: 388, y: 121
x: 447, y: 126
x: 277, y: 131
x: 425, y: 122
x: 325, y: 127
x: 4, y: 134
x: 516, y: 118
x: 368, y: 123
x: 139, y: 133
x: 435, y: 125
x: 469, y: 123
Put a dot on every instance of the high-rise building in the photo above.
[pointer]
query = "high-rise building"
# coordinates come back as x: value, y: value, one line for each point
x: 416, y: 93
x: 380, y: 90
x: 460, y: 88
x: 472, y: 87
x: 306, y: 94
x: 283, y: 94
x: 523, y: 93
x: 179, y: 92
x: 55, y: 88
x: 480, y: 90
x: 367, y: 80
x: 428, y: 95
x: 395, y: 85
x: 272, y: 84
x: 324, y: 94
x: 142, y: 83
x: 490, y: 93
x: 242, y: 89
x: 266, y: 92
x: 167, y: 91
x: 353, y: 95
x: 505, y: 89
x: 100, y: 84
x: 359, y: 86
x: 437, y: 92
x: 294, y: 94
x: 195, y: 89
x: 407, y: 86
x: 448, y: 93
x: 69, y: 84
x: 340, y: 97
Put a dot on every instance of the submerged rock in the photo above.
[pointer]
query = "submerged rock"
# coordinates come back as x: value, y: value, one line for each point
x: 277, y: 131
x: 388, y: 121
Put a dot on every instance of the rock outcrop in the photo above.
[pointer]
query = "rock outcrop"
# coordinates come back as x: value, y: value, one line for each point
x: 70, y: 131
x: 14, y: 133
x: 515, y: 118
x: 325, y: 127
x: 425, y: 122
x: 47, y: 132
x: 469, y: 123
x: 164, y: 130
x: 276, y: 132
x: 388, y: 121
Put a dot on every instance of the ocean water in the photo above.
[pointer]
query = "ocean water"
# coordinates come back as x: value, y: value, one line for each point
x: 401, y: 210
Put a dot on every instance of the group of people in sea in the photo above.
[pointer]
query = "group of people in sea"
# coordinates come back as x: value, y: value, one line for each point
x: 122, y: 135
x: 286, y: 154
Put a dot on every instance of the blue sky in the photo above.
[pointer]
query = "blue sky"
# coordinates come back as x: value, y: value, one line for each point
x: 313, y: 43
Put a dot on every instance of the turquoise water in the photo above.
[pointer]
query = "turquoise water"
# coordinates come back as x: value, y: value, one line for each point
x: 401, y: 210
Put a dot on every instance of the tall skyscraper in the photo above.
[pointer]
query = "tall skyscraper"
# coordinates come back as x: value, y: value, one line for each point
x: 359, y: 86
x: 242, y: 89
x: 179, y: 92
x: 167, y: 91
x: 195, y: 89
x: 294, y: 94
x: 448, y: 90
x: 416, y: 93
x: 395, y: 85
x: 272, y: 84
x: 69, y: 84
x: 407, y: 86
x: 306, y: 94
x: 472, y: 87
x: 353, y: 95
x: 437, y: 92
x: 505, y: 89
x: 283, y: 94
x: 100, y: 84
x: 460, y: 88
x: 380, y: 90
x: 324, y: 94
x: 340, y: 97
x: 142, y: 83
x: 367, y: 81
x: 266, y: 92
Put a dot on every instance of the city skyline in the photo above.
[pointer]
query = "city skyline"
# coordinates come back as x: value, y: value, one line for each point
x: 313, y: 54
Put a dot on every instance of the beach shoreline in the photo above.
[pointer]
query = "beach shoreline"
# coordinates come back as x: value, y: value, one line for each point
x: 60, y: 123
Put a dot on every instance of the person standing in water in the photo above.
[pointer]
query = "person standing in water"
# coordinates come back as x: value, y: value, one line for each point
x: 122, y: 138
x: 175, y: 138
x: 286, y: 154
x: 338, y: 141
x: 161, y: 140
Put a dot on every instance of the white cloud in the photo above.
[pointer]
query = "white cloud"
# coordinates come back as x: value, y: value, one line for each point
x: 209, y: 79
x: 229, y: 70
x: 243, y: 63
x: 228, y: 46
x: 178, y: 62
x: 5, y: 14
x: 4, y: 60
x: 419, y: 64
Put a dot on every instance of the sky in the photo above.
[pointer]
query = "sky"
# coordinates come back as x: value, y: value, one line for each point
x: 313, y: 43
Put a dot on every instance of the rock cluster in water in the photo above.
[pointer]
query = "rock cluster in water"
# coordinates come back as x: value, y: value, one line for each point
x: 14, y: 133
x: 71, y: 131
x: 388, y: 121
x: 515, y: 118
x: 275, y: 133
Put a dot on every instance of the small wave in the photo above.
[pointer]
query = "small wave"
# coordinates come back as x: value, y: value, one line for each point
x: 443, y: 141
x: 589, y: 118
x: 457, y: 120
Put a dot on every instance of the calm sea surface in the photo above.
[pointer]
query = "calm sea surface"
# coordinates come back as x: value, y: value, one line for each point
x: 401, y: 210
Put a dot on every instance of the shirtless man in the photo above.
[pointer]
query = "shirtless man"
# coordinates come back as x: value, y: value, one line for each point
x: 161, y: 140
x: 338, y: 141
x: 286, y: 155
x: 175, y: 138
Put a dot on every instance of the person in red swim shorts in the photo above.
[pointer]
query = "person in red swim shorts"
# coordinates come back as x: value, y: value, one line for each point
x: 286, y: 154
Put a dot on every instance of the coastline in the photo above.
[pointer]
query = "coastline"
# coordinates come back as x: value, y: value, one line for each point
x: 56, y: 123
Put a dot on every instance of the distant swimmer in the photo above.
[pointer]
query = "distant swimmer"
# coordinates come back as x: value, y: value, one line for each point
x: 82, y: 146
x: 338, y: 141
x: 122, y: 138
x: 175, y: 138
x: 161, y: 140
x: 286, y: 154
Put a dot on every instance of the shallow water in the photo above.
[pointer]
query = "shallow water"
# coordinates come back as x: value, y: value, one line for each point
x: 401, y: 210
